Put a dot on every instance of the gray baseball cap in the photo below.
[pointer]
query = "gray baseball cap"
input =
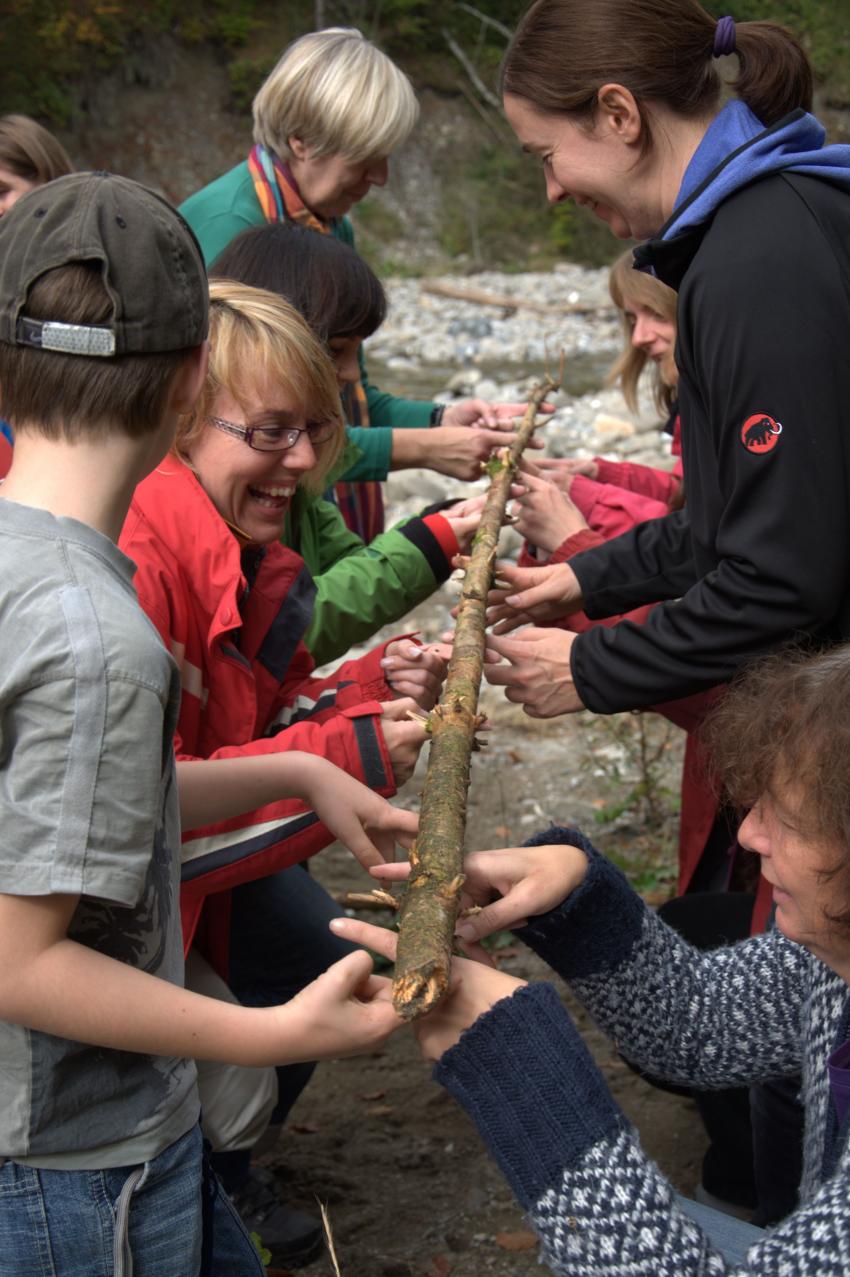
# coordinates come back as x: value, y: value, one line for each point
x: 150, y: 261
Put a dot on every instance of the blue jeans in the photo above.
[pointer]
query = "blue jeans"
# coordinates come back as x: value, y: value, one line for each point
x: 145, y: 1219
x: 732, y: 1237
x: 279, y: 942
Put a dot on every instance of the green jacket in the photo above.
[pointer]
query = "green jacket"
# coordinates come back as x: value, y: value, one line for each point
x: 229, y: 205
x: 362, y: 587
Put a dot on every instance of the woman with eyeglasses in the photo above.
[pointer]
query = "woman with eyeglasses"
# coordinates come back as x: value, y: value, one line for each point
x: 232, y: 604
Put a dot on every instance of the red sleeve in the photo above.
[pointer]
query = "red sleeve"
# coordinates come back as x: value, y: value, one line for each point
x: 444, y: 533
x: 643, y: 482
x: 5, y: 456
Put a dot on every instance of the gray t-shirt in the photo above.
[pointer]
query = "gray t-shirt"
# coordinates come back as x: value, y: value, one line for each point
x: 88, y: 806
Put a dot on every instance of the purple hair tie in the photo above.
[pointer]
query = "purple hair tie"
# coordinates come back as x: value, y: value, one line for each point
x: 724, y: 37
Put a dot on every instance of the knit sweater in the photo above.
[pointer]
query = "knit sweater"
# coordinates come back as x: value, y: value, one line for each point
x: 765, y: 1007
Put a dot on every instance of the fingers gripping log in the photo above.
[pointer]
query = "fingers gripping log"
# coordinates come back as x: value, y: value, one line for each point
x: 431, y: 900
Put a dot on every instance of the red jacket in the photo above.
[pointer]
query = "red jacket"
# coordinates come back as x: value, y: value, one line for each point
x: 246, y: 684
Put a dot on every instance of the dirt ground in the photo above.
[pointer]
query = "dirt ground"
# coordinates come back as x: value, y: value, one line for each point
x: 409, y: 1189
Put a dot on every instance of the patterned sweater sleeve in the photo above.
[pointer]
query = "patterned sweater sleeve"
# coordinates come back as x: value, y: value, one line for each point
x: 599, y: 1205
x: 716, y: 1019
x: 524, y: 1075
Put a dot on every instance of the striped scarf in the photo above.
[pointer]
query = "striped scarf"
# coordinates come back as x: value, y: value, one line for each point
x: 361, y: 504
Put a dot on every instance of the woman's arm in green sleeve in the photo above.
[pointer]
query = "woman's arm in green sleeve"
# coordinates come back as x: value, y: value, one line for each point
x: 375, y: 446
x: 361, y: 588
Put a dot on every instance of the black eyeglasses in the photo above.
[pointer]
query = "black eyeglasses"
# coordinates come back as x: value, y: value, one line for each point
x: 275, y: 438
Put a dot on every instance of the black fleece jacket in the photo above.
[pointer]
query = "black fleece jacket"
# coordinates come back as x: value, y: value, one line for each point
x: 762, y: 553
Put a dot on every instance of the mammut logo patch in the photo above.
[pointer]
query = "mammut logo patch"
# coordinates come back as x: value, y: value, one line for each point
x: 760, y: 433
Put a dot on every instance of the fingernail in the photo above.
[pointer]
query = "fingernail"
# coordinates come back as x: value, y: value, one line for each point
x: 387, y: 663
x: 414, y: 653
x: 465, y: 931
x: 338, y: 924
x: 513, y: 600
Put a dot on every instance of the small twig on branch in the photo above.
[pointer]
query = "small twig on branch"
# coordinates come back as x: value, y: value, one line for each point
x: 432, y: 897
x: 464, y: 61
x: 376, y: 899
x: 486, y: 20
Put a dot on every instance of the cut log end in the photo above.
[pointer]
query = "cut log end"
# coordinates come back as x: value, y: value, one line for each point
x: 419, y: 991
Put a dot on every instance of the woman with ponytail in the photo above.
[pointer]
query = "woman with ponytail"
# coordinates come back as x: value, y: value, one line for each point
x: 746, y: 215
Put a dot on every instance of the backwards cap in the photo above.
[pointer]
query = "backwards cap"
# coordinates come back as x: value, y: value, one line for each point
x: 150, y: 262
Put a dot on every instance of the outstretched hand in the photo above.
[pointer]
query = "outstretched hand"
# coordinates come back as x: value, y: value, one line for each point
x: 363, y: 821
x: 463, y: 518
x: 535, y: 595
x: 538, y: 673
x: 492, y: 416
x: 416, y: 670
x: 508, y: 886
x: 562, y: 470
x: 543, y: 513
x: 347, y: 1011
x: 403, y: 736
x: 474, y: 989
x: 462, y: 453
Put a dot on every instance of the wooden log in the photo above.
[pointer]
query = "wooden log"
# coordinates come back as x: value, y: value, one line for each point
x: 480, y: 297
x: 431, y: 899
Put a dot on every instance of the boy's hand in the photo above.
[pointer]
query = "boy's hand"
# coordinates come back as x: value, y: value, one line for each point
x: 347, y: 1011
x: 404, y: 737
x: 475, y: 988
x: 508, y: 886
x: 361, y: 820
x: 417, y: 671
x: 536, y: 595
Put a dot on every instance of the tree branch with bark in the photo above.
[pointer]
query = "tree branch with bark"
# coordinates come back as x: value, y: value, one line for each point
x: 431, y: 900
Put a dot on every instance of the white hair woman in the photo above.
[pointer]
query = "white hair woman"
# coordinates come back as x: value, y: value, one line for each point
x: 325, y: 123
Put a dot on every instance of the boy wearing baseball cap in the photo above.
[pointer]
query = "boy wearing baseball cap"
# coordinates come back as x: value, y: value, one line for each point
x: 103, y: 322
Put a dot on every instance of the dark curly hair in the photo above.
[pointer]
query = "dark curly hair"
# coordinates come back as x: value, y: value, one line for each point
x: 785, y: 721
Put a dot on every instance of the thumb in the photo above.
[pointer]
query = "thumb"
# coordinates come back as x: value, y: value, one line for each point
x: 360, y: 845
x: 347, y: 975
x: 498, y: 916
x: 525, y: 599
x: 508, y: 647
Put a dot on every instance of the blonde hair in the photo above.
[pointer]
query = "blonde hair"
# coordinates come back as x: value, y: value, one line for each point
x: 30, y: 152
x: 256, y: 335
x: 630, y: 287
x: 335, y: 91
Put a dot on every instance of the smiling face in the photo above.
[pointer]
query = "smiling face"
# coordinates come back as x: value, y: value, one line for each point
x: 797, y: 867
x: 597, y: 167
x: 651, y: 332
x: 12, y: 187
x: 330, y: 184
x: 252, y: 490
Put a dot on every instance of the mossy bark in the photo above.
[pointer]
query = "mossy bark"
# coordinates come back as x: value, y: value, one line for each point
x: 431, y: 900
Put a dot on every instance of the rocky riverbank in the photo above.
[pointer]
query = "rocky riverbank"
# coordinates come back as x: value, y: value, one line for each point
x: 442, y: 347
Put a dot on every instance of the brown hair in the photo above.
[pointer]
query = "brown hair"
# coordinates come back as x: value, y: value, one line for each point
x: 630, y: 287
x: 255, y: 334
x: 326, y: 281
x: 786, y: 718
x: 75, y: 396
x: 563, y: 51
x: 29, y: 151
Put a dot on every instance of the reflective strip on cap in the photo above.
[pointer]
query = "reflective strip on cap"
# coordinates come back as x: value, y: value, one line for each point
x: 68, y: 339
